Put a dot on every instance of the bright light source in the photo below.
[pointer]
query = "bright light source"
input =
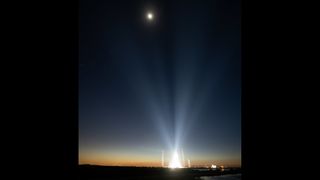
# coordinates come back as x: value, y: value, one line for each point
x: 175, y: 163
x: 150, y: 16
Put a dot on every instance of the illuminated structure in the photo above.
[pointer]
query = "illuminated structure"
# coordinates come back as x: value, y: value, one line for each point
x: 175, y: 162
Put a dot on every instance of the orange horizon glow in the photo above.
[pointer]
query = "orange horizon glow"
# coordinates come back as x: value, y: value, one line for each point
x: 145, y: 159
x: 150, y: 163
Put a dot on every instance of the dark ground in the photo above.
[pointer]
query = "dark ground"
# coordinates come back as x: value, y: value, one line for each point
x: 92, y: 172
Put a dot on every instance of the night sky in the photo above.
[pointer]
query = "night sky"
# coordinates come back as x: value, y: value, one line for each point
x: 170, y: 83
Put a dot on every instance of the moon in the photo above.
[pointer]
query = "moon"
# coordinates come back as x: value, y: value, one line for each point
x: 150, y: 16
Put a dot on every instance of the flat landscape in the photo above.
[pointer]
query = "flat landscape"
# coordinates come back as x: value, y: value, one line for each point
x: 93, y: 172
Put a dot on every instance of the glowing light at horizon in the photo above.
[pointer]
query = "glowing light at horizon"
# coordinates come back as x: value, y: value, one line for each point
x: 175, y: 162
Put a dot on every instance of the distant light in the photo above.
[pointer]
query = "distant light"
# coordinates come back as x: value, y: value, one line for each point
x: 150, y: 16
x: 222, y: 168
x: 175, y: 163
x: 213, y: 166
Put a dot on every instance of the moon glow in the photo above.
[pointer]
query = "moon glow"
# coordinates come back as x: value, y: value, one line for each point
x: 149, y: 16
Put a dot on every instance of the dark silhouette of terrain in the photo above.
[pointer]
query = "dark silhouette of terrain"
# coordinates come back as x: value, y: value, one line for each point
x: 94, y: 172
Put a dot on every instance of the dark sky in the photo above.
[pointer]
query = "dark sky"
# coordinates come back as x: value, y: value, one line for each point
x: 168, y: 84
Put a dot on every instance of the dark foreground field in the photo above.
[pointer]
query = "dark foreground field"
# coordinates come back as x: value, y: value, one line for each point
x: 90, y: 172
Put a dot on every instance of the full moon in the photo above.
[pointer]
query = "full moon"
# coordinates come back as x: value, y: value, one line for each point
x: 150, y: 16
